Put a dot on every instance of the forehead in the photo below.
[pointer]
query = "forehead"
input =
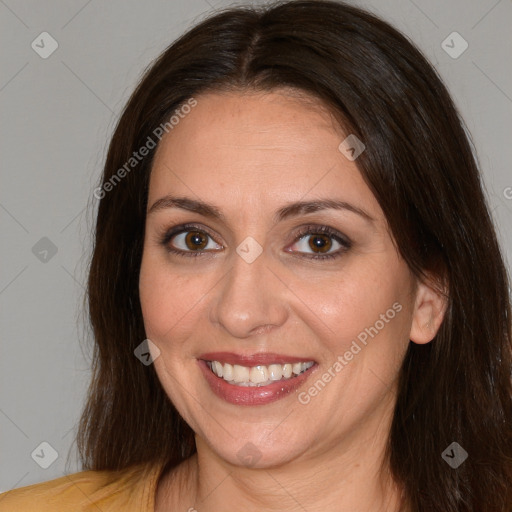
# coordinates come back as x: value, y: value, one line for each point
x: 249, y: 146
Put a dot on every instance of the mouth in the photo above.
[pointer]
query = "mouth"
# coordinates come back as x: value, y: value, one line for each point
x: 254, y: 379
x: 257, y: 376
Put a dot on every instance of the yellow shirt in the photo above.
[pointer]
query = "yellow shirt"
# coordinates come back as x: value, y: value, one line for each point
x: 132, y: 489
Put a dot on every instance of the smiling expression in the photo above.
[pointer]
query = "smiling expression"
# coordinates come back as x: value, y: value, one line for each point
x: 264, y: 249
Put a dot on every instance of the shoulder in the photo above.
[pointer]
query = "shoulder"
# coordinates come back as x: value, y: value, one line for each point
x: 129, y: 489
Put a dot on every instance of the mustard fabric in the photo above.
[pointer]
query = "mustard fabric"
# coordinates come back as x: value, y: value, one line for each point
x: 131, y: 489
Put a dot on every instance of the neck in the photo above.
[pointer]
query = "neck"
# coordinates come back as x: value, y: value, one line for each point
x: 304, y: 486
x: 351, y: 476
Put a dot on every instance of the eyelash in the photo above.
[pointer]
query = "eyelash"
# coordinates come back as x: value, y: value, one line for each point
x: 307, y: 230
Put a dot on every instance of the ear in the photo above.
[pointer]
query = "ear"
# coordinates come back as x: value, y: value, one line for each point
x: 429, y: 309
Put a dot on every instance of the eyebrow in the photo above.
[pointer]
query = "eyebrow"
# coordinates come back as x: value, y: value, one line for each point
x: 290, y: 210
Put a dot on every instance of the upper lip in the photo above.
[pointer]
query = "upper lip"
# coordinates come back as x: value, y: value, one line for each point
x: 262, y: 358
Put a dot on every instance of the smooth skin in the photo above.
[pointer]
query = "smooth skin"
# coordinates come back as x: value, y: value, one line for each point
x: 249, y: 154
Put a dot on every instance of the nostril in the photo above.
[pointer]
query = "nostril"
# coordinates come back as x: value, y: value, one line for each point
x: 263, y: 329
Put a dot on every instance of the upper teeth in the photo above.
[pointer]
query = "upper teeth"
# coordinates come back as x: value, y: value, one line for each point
x: 257, y: 375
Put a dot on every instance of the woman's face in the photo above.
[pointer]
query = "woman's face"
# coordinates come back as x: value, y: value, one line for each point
x: 261, y: 284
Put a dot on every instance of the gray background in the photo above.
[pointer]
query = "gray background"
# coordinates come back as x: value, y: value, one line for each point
x: 57, y: 116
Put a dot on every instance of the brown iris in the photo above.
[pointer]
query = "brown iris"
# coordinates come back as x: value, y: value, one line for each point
x: 196, y: 240
x: 320, y: 243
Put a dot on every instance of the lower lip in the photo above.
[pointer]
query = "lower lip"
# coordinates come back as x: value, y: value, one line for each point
x: 257, y: 395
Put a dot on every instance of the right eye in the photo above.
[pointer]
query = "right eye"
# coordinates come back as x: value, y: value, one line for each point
x: 189, y: 241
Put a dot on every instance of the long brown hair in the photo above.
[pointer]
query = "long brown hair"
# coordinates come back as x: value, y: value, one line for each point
x: 420, y: 167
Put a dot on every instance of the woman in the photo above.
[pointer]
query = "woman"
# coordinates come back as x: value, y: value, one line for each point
x: 297, y: 294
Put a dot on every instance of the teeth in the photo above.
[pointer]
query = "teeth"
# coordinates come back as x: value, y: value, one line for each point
x: 240, y: 373
x: 275, y: 371
x: 287, y: 371
x: 227, y: 371
x: 218, y: 368
x: 257, y: 375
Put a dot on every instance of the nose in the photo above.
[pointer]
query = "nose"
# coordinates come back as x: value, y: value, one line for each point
x: 250, y: 299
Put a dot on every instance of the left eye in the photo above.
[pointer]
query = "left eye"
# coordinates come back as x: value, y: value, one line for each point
x: 318, y: 243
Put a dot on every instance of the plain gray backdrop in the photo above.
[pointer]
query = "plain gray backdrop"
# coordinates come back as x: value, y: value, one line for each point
x: 58, y: 113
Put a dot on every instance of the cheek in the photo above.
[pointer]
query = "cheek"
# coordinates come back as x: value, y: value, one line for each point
x: 161, y: 305
x: 351, y: 301
x: 151, y: 288
x: 363, y: 316
x: 170, y: 301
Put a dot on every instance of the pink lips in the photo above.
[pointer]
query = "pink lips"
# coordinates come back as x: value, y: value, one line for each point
x: 259, y: 395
